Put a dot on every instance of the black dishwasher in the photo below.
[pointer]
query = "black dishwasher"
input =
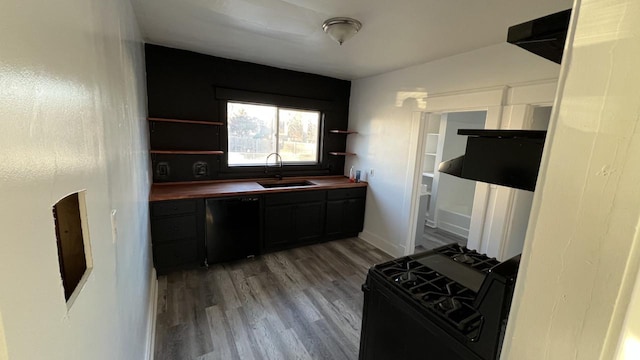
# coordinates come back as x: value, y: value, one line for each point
x: 233, y: 228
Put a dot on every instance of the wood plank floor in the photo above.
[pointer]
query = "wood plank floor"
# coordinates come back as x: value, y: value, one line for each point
x: 303, y: 303
x: 434, y: 237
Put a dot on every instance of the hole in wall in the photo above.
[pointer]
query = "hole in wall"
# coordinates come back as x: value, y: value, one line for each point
x: 72, y: 238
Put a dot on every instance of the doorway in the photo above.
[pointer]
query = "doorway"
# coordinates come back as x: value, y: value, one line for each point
x: 445, y: 204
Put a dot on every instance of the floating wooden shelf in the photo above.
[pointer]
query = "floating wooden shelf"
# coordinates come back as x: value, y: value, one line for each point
x: 188, y: 152
x: 341, y: 153
x: 336, y: 131
x: 197, y: 122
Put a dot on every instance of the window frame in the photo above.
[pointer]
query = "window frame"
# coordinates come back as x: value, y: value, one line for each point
x: 277, y: 134
x: 224, y: 96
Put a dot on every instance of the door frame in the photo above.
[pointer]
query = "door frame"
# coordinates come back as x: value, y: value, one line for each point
x: 490, y: 201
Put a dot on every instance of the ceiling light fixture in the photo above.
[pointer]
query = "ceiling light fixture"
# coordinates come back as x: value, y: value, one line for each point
x: 341, y: 29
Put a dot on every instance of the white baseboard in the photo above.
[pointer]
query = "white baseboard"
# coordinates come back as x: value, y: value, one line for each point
x: 153, y: 309
x: 454, y: 229
x: 382, y: 244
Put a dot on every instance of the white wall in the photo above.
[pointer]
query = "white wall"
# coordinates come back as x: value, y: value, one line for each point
x: 582, y: 255
x: 73, y: 108
x: 381, y: 110
x: 3, y: 342
x: 629, y: 345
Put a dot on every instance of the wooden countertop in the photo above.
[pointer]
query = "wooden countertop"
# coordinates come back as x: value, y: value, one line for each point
x: 221, y: 188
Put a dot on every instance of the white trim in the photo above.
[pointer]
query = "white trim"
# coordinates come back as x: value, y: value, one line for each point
x: 480, y: 218
x: 534, y: 93
x: 418, y: 124
x: 467, y: 100
x: 501, y: 103
x: 4, y: 354
x: 151, y: 315
x: 507, y: 225
x: 530, y: 87
x: 485, y: 90
x: 383, y: 244
x: 453, y: 228
x: 513, y: 241
x: 626, y: 344
x: 435, y: 184
x: 478, y: 215
x: 491, y: 100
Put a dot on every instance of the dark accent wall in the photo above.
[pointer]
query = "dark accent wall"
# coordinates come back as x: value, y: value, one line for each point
x: 191, y: 86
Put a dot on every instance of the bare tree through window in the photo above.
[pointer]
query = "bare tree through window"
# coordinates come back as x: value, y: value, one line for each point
x: 255, y: 131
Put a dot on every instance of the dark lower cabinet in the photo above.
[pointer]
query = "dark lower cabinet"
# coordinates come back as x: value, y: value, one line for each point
x: 277, y: 225
x: 293, y: 218
x: 177, y: 234
x: 296, y: 218
x: 345, y: 212
x: 309, y: 220
x: 232, y: 228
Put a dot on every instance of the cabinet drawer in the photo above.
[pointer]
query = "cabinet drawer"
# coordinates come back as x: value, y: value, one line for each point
x: 175, y: 254
x: 174, y: 228
x: 177, y: 207
x: 294, y: 197
x: 349, y: 193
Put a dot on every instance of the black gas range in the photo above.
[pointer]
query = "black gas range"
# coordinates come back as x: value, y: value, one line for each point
x: 448, y: 303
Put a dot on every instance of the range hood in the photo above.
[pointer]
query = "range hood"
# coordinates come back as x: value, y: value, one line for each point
x: 544, y: 36
x: 503, y: 157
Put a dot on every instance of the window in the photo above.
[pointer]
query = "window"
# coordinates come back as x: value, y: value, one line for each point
x: 255, y: 131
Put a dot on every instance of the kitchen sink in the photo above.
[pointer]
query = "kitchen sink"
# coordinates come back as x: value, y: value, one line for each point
x: 284, y: 183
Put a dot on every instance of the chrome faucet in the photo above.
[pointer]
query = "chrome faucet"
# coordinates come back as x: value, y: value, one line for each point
x: 278, y: 164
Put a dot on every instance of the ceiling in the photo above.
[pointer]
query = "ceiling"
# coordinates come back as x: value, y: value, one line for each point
x: 288, y: 33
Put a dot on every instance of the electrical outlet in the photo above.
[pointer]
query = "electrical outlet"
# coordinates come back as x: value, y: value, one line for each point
x: 200, y: 169
x: 162, y: 170
x: 370, y: 172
